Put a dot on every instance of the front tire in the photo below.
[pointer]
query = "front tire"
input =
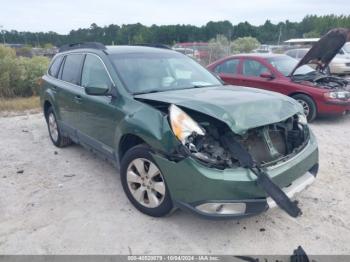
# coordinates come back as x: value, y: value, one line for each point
x: 144, y: 183
x: 309, y: 106
x: 54, y: 131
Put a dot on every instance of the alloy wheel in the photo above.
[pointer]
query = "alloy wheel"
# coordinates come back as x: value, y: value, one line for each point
x: 53, y: 127
x: 146, y: 182
x: 305, y: 106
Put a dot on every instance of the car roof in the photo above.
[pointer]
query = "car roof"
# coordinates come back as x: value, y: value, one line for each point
x: 120, y: 49
x: 258, y: 55
x: 127, y: 49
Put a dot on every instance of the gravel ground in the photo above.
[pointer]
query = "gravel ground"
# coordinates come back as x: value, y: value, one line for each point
x: 68, y: 201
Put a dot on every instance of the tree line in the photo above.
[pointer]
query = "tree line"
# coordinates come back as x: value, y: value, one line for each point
x: 268, y: 33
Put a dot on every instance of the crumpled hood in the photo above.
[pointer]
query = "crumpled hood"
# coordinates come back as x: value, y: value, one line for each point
x: 323, y: 51
x: 241, y: 108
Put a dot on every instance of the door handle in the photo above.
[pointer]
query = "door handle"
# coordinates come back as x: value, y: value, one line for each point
x: 78, y: 99
x: 54, y: 88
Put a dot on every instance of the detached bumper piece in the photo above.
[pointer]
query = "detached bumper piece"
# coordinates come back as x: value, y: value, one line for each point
x: 299, y: 255
x: 246, y: 160
x: 276, y: 193
x: 297, y: 186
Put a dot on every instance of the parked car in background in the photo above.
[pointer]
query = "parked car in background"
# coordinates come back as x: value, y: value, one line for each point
x: 178, y: 135
x: 345, y: 51
x: 268, y: 49
x: 297, y: 53
x: 263, y: 49
x: 200, y: 50
x: 340, y: 65
x: 319, y: 94
x: 186, y: 51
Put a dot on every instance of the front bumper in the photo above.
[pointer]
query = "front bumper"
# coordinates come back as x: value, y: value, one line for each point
x: 245, y: 208
x: 333, y: 107
x: 192, y: 184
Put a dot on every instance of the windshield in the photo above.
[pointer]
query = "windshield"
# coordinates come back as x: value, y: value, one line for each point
x: 160, y: 71
x: 286, y: 64
x: 346, y: 47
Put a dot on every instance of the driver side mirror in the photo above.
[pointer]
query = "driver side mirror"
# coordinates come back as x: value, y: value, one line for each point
x: 100, y: 90
x: 267, y: 75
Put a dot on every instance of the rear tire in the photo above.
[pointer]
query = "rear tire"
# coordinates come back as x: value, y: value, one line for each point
x: 54, y: 130
x: 308, y: 104
x: 144, y: 183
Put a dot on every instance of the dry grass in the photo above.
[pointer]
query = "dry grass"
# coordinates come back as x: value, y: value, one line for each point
x: 19, y: 104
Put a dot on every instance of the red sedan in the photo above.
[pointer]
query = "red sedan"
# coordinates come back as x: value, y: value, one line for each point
x: 317, y: 92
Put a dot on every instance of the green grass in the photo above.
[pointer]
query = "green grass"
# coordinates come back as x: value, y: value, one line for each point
x: 19, y: 104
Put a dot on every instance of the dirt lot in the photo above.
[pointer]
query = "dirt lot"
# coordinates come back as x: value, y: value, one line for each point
x: 68, y: 201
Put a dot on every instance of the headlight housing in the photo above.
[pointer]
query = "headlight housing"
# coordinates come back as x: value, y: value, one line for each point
x: 302, y: 119
x: 337, y: 95
x: 182, y: 124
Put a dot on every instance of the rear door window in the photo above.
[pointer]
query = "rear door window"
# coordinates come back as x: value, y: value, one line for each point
x: 253, y: 68
x: 72, y: 68
x: 55, y: 66
x: 228, y: 67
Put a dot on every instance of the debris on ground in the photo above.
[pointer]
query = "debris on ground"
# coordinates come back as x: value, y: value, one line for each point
x: 71, y: 175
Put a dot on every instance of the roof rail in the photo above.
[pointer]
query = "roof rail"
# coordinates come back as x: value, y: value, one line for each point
x: 92, y: 45
x: 154, y: 45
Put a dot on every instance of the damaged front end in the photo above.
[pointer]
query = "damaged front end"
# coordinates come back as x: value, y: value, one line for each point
x: 268, y: 145
x: 211, y: 142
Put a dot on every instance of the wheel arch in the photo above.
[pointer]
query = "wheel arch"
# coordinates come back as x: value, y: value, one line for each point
x: 46, y: 105
x: 128, y: 141
x: 305, y: 94
x: 144, y: 125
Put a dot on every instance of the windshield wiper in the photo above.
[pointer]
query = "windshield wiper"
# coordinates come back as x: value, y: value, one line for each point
x: 148, y: 92
x: 172, y: 89
x: 198, y: 86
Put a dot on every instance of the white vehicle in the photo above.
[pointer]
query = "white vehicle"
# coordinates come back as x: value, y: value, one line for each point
x: 345, y: 51
x: 339, y: 65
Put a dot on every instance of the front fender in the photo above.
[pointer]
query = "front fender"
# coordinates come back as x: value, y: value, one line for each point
x: 151, y: 126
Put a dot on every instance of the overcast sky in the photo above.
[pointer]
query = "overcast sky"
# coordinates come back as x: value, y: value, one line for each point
x: 63, y: 15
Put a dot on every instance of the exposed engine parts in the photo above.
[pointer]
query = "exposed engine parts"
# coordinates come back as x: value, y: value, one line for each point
x: 331, y: 82
x: 267, y: 145
x: 323, y: 81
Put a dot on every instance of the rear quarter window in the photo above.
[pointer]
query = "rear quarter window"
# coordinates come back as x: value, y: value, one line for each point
x: 228, y: 67
x: 55, y: 66
x: 72, y: 68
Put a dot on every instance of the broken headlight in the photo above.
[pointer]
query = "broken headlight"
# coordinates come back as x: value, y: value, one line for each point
x: 302, y: 119
x: 182, y: 124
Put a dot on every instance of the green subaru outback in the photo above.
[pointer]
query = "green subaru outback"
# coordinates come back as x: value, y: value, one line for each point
x: 177, y: 135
